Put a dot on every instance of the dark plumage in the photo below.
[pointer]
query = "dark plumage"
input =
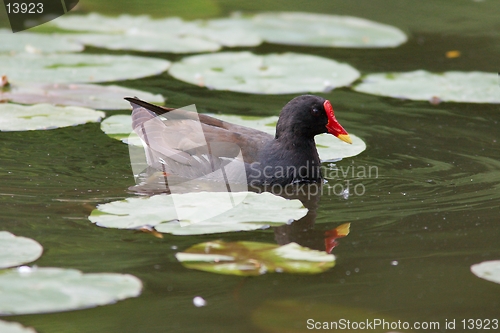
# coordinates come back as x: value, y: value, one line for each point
x: 192, y: 145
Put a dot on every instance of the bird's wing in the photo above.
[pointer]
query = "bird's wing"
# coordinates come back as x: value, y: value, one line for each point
x: 249, y: 140
x: 181, y: 143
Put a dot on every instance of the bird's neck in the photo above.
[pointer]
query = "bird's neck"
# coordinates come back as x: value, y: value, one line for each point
x: 296, y: 142
x: 288, y: 160
x: 297, y: 151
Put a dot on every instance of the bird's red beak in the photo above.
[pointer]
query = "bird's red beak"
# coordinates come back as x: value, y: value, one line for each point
x: 333, y: 126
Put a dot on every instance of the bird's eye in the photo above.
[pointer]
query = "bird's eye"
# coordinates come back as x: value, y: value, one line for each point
x: 315, y: 111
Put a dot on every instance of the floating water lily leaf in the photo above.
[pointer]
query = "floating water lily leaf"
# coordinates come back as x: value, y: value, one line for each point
x: 465, y: 87
x: 230, y: 35
x: 28, y: 290
x: 16, y: 250
x: 175, y: 228
x: 488, y: 270
x: 71, y: 68
x: 44, y: 116
x: 299, y: 28
x: 143, y: 33
x: 332, y: 149
x: 35, y: 43
x: 329, y: 148
x: 199, y: 213
x: 133, y: 213
x: 283, y: 28
x: 86, y: 95
x: 11, y: 327
x: 254, y: 258
x: 97, y: 22
x: 119, y: 127
x: 147, y: 42
x: 285, y: 73
x: 297, y: 316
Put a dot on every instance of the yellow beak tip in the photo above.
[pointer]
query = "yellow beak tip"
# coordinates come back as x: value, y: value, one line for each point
x: 345, y: 138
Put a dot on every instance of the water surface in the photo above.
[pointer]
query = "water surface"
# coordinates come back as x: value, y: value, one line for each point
x: 430, y: 214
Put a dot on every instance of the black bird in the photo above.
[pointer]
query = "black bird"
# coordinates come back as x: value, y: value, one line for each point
x: 191, y: 145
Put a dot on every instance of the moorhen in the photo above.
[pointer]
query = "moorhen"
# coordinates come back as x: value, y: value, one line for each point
x: 288, y: 157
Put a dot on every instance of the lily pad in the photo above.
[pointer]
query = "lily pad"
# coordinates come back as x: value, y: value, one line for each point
x: 254, y: 258
x: 233, y: 35
x: 101, y: 23
x: 464, y: 87
x: 147, y: 42
x: 143, y: 33
x: 16, y: 250
x: 488, y: 270
x: 71, y: 68
x: 44, y: 116
x: 119, y: 127
x: 285, y: 73
x: 12, y: 327
x: 293, y: 28
x: 35, y: 43
x: 85, y: 95
x: 308, y: 29
x: 27, y: 290
x: 199, y: 213
x: 329, y: 148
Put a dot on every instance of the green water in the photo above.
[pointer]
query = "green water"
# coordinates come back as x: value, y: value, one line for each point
x: 430, y: 214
